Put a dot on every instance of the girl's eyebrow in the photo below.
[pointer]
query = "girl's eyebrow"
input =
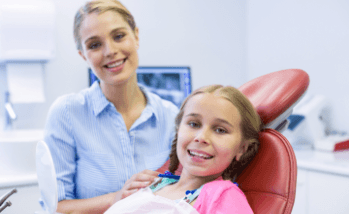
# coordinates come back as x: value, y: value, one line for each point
x: 225, y: 122
x: 217, y: 119
x: 193, y: 115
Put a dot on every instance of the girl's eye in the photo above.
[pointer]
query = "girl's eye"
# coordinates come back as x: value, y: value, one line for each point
x: 119, y: 36
x: 193, y: 124
x: 220, y: 131
x: 94, y: 45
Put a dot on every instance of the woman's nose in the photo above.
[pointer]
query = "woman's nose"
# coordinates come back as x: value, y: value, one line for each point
x: 110, y: 49
x: 203, y: 136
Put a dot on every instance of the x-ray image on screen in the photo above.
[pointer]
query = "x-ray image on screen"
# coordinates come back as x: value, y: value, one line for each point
x: 170, y: 83
x: 167, y: 86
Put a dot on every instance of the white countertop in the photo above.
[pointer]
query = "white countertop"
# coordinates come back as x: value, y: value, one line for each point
x: 307, y: 158
x: 18, y: 180
x: 328, y: 162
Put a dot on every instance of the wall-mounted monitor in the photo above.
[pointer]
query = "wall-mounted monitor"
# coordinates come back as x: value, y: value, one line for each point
x: 170, y: 83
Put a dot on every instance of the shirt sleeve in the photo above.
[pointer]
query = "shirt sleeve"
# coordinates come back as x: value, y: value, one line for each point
x: 222, y: 197
x: 172, y: 116
x: 59, y: 138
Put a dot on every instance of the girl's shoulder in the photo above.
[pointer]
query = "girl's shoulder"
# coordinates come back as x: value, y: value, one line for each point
x: 222, y: 196
x: 221, y: 186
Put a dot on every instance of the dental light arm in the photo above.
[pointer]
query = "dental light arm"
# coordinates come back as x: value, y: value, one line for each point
x: 4, y: 198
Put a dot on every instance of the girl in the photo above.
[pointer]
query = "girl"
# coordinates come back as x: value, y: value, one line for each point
x: 217, y: 136
x: 105, y: 139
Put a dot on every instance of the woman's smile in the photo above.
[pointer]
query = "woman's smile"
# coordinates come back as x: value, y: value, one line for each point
x: 115, y: 66
x: 111, y: 50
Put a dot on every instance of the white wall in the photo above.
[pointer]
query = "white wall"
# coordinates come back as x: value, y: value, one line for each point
x: 312, y: 35
x: 209, y: 37
x: 227, y: 42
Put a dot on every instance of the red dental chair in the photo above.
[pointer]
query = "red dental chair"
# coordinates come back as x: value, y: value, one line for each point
x: 269, y: 181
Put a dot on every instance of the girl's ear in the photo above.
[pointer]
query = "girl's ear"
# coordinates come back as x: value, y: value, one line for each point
x: 242, y: 149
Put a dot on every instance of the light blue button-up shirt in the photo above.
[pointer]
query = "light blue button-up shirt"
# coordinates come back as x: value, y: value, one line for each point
x: 92, y: 150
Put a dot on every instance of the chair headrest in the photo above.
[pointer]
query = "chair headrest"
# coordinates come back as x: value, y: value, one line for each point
x: 275, y: 94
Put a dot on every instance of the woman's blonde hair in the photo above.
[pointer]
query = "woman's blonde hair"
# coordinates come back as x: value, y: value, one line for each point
x: 250, y: 127
x: 100, y: 6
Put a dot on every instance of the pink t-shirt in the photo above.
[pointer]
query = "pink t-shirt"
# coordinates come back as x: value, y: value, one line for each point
x: 220, y: 196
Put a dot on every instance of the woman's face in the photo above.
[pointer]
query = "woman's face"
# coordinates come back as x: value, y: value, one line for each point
x: 109, y: 46
x: 209, y: 135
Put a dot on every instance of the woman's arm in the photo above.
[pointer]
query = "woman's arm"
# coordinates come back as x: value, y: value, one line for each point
x: 92, y: 205
x: 100, y: 204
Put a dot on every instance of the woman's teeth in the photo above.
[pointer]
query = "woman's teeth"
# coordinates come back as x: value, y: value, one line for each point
x: 200, y: 155
x: 115, y: 64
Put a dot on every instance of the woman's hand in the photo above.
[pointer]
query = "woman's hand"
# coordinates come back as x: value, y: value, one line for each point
x: 137, y: 181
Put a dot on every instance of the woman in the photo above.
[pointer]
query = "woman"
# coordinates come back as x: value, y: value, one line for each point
x: 105, y: 139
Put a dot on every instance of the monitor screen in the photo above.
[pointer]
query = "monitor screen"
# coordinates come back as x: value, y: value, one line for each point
x: 170, y: 83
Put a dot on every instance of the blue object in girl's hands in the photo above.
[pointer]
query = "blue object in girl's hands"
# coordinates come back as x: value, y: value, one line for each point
x: 169, y: 175
x: 190, y: 192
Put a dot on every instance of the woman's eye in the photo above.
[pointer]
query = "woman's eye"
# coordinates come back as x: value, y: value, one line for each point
x: 220, y: 131
x: 193, y: 124
x: 94, y: 45
x: 119, y: 36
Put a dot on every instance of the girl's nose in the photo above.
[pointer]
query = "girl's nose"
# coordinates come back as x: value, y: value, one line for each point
x: 203, y: 136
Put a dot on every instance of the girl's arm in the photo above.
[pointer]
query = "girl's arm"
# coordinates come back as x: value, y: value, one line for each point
x: 100, y: 204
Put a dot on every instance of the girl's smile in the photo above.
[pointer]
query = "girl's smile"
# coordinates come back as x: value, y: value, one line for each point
x: 209, y: 136
x: 199, y: 156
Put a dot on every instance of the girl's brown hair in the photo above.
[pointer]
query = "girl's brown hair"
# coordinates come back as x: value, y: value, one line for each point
x: 250, y: 127
x: 100, y: 6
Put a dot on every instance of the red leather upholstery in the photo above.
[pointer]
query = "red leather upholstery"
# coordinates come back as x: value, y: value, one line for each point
x: 269, y: 181
x: 273, y: 93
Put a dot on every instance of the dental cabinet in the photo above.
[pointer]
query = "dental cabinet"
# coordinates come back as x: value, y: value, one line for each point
x: 322, y: 182
x: 18, y: 169
x: 27, y: 43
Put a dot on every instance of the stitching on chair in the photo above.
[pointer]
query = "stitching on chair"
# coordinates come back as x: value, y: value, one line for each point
x: 289, y: 201
x: 266, y: 193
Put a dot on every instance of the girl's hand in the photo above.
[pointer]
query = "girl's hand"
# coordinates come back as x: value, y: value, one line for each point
x: 137, y: 181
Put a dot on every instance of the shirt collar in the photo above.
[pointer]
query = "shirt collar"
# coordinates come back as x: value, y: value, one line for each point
x: 150, y: 107
x: 100, y: 102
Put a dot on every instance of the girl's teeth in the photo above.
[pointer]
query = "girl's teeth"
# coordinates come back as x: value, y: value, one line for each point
x: 115, y: 64
x: 199, y: 155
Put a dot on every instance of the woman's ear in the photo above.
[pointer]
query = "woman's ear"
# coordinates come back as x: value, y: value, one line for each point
x: 242, y: 149
x: 82, y: 55
x: 136, y: 32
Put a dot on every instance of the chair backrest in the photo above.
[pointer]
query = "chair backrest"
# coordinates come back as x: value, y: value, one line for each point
x: 269, y: 181
x: 46, y: 173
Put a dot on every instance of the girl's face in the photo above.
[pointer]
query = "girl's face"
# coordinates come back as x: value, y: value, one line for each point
x: 109, y: 46
x: 209, y: 135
